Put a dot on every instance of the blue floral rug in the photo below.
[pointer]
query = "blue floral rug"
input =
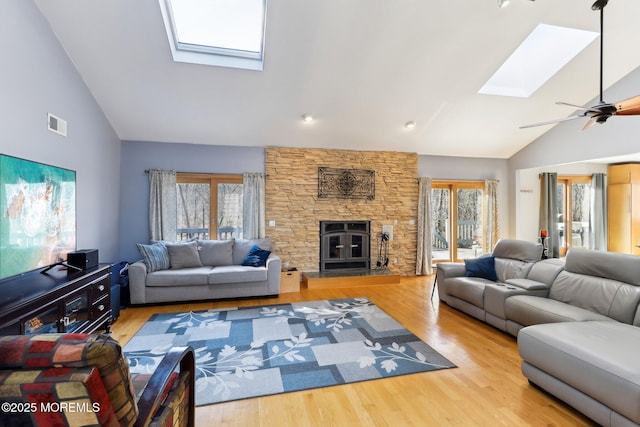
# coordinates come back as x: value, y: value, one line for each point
x: 255, y: 351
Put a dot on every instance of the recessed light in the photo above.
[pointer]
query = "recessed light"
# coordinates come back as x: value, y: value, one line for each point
x: 308, y: 118
x: 410, y: 124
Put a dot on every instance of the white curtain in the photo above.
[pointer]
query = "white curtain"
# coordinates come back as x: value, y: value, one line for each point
x: 598, y: 220
x: 491, y: 232
x: 162, y: 205
x: 253, y: 215
x: 423, y: 261
x: 548, y: 217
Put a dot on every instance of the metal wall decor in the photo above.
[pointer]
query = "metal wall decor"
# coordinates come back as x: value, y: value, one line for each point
x: 346, y: 183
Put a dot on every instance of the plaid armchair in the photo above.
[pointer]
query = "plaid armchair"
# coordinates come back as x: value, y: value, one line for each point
x: 80, y: 379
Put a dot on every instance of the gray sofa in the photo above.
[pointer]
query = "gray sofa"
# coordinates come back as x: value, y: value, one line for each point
x: 203, y: 270
x: 577, y: 326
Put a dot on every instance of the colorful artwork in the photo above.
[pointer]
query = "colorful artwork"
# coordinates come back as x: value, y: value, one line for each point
x: 37, y: 215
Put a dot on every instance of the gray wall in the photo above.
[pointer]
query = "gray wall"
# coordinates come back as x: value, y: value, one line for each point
x: 473, y: 169
x: 139, y: 156
x: 37, y: 77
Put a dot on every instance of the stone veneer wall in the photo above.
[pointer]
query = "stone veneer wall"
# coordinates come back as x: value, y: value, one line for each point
x: 292, y: 202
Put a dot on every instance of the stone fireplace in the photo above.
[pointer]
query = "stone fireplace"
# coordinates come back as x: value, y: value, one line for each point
x: 344, y: 245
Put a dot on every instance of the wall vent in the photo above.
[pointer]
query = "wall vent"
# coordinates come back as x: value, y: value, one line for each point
x: 56, y: 124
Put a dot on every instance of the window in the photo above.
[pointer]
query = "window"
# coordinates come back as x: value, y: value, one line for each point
x: 228, y: 33
x: 574, y: 201
x: 209, y: 206
x: 456, y: 212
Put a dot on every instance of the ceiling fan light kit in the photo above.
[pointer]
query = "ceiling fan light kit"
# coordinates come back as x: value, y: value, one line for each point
x: 599, y: 113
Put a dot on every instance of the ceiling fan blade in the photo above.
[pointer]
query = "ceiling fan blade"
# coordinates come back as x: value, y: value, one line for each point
x: 592, y: 121
x: 551, y: 122
x: 591, y: 110
x: 628, y: 107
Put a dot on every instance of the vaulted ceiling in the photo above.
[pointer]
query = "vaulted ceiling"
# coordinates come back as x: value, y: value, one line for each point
x: 362, y: 67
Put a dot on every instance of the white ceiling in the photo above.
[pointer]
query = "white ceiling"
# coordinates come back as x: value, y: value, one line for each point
x: 362, y: 67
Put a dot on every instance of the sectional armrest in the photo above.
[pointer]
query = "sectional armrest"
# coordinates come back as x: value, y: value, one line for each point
x: 274, y: 267
x: 137, y: 282
x: 152, y: 403
x: 450, y: 269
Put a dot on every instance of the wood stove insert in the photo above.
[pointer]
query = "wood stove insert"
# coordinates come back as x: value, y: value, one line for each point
x: 344, y: 245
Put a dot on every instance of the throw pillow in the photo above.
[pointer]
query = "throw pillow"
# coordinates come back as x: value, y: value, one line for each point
x: 484, y: 267
x: 155, y: 256
x: 241, y: 247
x: 183, y: 255
x: 216, y: 252
x: 256, y: 257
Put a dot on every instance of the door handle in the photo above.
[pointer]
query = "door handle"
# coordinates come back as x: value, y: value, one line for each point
x: 339, y: 246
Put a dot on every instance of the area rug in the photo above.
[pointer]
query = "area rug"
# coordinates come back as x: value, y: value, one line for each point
x: 255, y: 351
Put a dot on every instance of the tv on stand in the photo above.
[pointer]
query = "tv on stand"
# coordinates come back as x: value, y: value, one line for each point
x: 37, y: 215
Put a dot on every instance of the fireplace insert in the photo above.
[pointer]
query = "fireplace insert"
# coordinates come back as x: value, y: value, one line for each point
x: 344, y: 245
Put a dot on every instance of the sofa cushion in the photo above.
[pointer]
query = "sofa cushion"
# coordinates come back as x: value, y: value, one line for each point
x: 483, y: 267
x: 257, y: 257
x: 236, y: 274
x: 155, y: 256
x: 216, y: 252
x: 529, y: 310
x: 241, y: 247
x: 600, y: 359
x: 183, y: 276
x: 184, y: 255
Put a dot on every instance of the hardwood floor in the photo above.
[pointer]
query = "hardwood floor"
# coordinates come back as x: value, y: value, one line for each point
x: 487, y: 388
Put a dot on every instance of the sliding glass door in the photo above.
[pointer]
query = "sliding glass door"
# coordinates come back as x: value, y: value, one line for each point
x: 457, y: 220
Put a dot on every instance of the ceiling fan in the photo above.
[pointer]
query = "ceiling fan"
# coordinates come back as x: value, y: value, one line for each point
x: 601, y: 112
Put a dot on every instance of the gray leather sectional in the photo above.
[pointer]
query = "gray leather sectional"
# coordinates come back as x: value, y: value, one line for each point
x: 577, y: 322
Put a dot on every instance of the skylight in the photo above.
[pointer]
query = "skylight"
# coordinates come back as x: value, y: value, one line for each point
x: 540, y: 56
x: 227, y: 33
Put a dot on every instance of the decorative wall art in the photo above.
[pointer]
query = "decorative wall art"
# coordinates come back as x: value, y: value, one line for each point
x: 346, y: 183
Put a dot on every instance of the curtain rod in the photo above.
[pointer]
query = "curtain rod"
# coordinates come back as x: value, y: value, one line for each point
x: 460, y: 180
x: 203, y: 173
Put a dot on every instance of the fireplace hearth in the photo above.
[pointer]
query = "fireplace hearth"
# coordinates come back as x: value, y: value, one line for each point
x: 344, y: 245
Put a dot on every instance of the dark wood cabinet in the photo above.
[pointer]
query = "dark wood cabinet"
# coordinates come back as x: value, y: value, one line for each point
x: 36, y: 303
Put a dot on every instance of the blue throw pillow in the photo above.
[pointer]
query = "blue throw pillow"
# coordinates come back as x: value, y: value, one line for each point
x: 484, y: 267
x: 155, y: 256
x: 257, y: 257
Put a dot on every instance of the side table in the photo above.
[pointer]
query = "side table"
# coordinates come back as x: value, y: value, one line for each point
x: 289, y: 280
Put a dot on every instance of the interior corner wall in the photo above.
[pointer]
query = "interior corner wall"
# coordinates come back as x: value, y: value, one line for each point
x: 37, y: 77
x: 292, y: 202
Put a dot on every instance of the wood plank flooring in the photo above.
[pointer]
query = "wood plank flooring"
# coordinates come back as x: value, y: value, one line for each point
x: 487, y: 388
